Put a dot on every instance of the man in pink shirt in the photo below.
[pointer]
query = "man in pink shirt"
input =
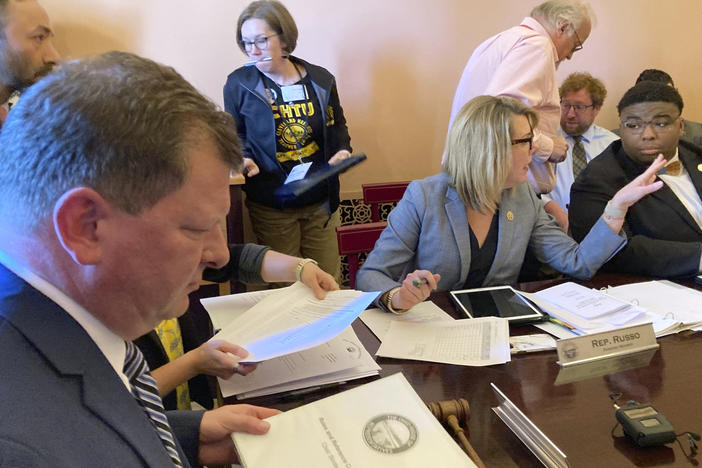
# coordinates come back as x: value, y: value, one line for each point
x: 521, y: 63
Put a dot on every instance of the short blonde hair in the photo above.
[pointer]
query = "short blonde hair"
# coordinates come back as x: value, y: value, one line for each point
x: 479, y: 149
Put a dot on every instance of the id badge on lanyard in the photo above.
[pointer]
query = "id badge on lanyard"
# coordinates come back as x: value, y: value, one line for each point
x: 292, y: 93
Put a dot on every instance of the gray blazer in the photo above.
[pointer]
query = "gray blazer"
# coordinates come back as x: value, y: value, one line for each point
x: 429, y: 230
x: 62, y: 403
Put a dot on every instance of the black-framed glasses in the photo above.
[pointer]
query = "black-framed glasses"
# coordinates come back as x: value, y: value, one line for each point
x: 579, y: 43
x: 566, y: 107
x: 521, y: 141
x: 659, y: 124
x: 261, y: 43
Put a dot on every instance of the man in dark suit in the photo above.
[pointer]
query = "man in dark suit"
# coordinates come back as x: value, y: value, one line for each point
x: 665, y: 227
x: 113, y: 182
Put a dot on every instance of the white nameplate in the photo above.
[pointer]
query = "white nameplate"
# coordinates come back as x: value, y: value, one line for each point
x: 604, y: 353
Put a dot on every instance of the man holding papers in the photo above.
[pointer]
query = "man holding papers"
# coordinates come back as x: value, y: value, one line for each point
x: 114, y: 180
x: 184, y: 379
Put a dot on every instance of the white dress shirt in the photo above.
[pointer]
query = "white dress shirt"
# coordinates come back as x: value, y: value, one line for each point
x: 595, y: 140
x: 684, y: 189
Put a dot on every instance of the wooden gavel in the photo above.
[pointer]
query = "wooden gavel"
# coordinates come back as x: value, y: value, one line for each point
x: 453, y: 413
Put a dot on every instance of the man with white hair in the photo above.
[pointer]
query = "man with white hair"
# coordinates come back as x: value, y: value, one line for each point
x: 521, y: 63
x: 26, y: 49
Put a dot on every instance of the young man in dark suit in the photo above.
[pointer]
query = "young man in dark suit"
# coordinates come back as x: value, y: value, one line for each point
x: 664, y: 229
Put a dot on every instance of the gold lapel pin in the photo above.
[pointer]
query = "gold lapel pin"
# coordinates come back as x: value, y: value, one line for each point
x: 699, y: 167
x: 510, y: 215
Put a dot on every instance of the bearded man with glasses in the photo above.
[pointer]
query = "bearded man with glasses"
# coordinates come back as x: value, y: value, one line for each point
x: 664, y: 228
x: 582, y: 96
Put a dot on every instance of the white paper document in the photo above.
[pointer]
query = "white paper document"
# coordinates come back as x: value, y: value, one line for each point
x: 667, y: 303
x: 379, y: 320
x: 381, y: 424
x: 581, y: 326
x: 224, y: 309
x: 584, y: 302
x: 295, y: 320
x: 340, y: 359
x: 531, y: 343
x: 467, y: 342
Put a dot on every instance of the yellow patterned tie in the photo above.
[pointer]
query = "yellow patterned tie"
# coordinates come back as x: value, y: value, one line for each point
x: 169, y: 333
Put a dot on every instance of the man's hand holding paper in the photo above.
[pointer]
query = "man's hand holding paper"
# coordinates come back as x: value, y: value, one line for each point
x: 293, y: 319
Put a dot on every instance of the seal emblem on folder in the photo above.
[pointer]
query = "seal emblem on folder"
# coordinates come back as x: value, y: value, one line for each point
x: 390, y: 433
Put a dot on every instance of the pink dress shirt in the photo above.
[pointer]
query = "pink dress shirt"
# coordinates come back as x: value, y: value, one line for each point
x: 520, y: 63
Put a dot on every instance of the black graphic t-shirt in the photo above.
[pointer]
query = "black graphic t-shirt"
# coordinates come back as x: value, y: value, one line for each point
x: 298, y: 125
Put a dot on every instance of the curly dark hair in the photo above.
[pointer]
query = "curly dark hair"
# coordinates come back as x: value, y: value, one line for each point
x: 650, y: 91
x: 653, y: 74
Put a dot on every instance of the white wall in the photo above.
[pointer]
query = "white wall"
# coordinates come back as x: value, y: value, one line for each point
x: 397, y: 62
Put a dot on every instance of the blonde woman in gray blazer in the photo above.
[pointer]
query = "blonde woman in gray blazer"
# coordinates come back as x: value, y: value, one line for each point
x: 482, y: 192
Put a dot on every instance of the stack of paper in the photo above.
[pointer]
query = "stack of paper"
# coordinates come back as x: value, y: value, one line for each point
x: 292, y: 319
x: 339, y: 360
x: 668, y: 307
x: 671, y: 307
x: 298, y: 340
x: 382, y: 424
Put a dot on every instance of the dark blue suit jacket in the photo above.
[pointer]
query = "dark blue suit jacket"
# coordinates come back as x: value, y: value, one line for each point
x: 62, y: 403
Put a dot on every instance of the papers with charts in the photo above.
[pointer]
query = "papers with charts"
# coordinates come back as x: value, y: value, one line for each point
x: 467, y: 342
x: 292, y: 319
x: 379, y: 320
x: 381, y: 424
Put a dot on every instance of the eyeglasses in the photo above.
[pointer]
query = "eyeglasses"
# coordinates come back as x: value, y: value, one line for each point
x: 566, y: 107
x: 661, y: 124
x: 579, y: 43
x: 521, y: 141
x: 261, y: 43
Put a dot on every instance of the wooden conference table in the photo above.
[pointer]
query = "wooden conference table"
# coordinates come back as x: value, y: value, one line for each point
x: 577, y: 417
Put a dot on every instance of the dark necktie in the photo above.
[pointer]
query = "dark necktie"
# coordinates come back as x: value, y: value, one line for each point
x: 145, y: 392
x: 579, y: 160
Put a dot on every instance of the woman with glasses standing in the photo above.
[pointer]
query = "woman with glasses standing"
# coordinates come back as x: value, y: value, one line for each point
x: 470, y: 225
x: 291, y: 123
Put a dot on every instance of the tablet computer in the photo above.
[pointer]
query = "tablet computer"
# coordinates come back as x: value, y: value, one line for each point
x: 498, y: 301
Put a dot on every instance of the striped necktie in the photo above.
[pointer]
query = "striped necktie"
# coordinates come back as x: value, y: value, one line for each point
x: 146, y: 394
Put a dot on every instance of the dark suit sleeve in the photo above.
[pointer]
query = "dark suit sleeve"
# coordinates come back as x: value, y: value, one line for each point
x: 643, y: 255
x: 588, y: 198
x: 186, y: 428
